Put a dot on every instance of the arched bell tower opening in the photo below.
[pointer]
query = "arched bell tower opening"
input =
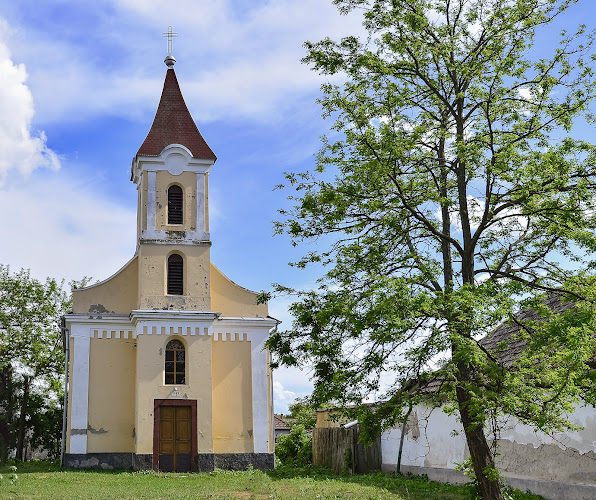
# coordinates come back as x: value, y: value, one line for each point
x: 175, y: 275
x: 175, y: 213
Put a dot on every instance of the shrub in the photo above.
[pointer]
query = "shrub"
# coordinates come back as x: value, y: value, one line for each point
x: 295, y: 448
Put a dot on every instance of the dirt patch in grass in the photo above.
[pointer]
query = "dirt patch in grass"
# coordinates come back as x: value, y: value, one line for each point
x: 248, y: 495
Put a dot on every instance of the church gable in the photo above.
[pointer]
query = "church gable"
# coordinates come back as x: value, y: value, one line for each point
x: 116, y: 295
x: 233, y: 300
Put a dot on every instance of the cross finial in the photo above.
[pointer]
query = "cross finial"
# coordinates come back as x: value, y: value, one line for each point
x: 169, y: 36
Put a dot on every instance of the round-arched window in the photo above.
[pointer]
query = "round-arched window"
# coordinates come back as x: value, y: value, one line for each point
x: 175, y: 363
x: 175, y: 274
x: 175, y: 205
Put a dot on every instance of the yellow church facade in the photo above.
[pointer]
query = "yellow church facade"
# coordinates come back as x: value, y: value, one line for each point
x: 167, y: 367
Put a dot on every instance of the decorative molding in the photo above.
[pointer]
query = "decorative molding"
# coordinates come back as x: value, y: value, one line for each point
x: 163, y: 237
x: 230, y: 337
x: 113, y: 334
x: 143, y: 163
x: 166, y: 322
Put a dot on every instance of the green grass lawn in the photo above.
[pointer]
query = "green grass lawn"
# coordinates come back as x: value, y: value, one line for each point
x: 44, y: 480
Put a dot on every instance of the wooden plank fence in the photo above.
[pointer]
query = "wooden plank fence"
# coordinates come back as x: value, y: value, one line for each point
x: 339, y: 449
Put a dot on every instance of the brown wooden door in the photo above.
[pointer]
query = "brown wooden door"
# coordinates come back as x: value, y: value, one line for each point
x: 175, y: 428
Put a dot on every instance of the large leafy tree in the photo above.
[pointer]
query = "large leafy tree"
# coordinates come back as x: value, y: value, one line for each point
x: 453, y: 194
x: 31, y: 360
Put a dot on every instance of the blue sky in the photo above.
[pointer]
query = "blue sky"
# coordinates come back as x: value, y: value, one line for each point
x: 79, y: 86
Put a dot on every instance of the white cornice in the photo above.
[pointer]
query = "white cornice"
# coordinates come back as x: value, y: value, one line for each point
x: 161, y: 315
x: 90, y: 318
x: 243, y: 321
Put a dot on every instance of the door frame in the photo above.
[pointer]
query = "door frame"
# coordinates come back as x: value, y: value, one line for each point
x: 157, y: 404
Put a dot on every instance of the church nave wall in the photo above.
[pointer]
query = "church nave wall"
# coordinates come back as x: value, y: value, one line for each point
x: 232, y: 396
x: 111, y: 395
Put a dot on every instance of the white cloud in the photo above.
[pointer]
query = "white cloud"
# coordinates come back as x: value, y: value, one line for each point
x: 59, y: 229
x: 525, y: 93
x: 20, y: 150
x: 230, y: 63
x: 289, y: 384
x: 282, y: 395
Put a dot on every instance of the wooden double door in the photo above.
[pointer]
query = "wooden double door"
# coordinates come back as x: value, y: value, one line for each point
x: 176, y: 429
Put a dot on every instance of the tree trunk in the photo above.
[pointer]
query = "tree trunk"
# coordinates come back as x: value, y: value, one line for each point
x: 22, y: 428
x: 479, y: 450
x: 6, y: 416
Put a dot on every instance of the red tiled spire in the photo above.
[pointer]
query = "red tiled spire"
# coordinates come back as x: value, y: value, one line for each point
x: 174, y: 125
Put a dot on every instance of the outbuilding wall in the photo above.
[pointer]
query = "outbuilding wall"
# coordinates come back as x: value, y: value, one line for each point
x: 561, y: 466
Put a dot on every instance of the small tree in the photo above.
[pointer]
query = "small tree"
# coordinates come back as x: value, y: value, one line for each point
x: 31, y: 355
x: 455, y: 195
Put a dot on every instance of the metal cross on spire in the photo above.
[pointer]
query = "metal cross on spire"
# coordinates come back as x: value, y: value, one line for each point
x: 169, y: 35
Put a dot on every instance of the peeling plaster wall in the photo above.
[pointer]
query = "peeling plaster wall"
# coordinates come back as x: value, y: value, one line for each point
x: 118, y: 294
x: 112, y: 385
x: 232, y: 397
x: 436, y: 440
x: 567, y: 456
x: 231, y: 299
x: 429, y: 441
x: 150, y: 386
x: 152, y: 278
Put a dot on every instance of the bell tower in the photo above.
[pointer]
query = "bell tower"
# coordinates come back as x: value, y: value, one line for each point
x: 171, y: 171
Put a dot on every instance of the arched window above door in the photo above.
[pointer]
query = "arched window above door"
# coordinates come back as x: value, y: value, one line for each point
x: 175, y: 367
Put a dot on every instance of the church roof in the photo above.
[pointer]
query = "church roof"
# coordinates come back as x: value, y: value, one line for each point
x: 173, y: 124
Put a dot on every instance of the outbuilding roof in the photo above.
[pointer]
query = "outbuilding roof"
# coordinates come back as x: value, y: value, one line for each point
x: 507, y: 333
x: 173, y: 124
x: 280, y: 423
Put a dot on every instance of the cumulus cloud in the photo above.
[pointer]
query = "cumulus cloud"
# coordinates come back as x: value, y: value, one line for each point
x: 63, y: 230
x: 20, y: 149
x: 281, y: 395
x: 231, y: 61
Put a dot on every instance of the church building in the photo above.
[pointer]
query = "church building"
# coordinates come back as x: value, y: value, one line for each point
x: 167, y: 368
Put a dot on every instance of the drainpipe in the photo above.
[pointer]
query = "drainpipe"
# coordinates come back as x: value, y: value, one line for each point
x: 65, y: 345
x: 401, y: 438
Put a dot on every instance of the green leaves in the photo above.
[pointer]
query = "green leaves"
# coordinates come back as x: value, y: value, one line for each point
x: 31, y: 351
x: 454, y: 195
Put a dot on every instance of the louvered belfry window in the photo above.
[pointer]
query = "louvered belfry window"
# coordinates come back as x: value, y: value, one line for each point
x: 175, y: 274
x: 175, y: 205
x: 175, y: 369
